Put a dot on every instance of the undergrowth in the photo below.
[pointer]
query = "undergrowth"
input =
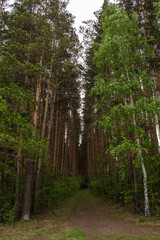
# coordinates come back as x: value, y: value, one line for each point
x: 53, y: 192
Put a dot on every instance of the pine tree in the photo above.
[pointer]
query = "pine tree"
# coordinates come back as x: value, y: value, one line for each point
x: 39, y: 86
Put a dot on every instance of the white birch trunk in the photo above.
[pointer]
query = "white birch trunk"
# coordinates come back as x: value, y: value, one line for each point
x: 146, y: 199
x: 156, y: 94
x: 157, y: 132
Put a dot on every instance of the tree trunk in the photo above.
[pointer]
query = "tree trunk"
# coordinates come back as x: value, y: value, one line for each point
x: 147, y: 211
x: 58, y: 159
x: 63, y: 151
x: 42, y: 137
x: 88, y: 164
x: 51, y: 121
x: 30, y: 165
x: 56, y: 139
x: 27, y: 192
x: 146, y: 199
x: 17, y: 190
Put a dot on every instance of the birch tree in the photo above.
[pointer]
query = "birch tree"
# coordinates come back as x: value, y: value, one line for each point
x: 125, y: 93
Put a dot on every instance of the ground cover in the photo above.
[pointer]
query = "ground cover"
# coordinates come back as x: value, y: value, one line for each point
x: 84, y: 217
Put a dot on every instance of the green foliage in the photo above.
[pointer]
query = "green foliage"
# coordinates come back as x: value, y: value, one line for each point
x: 7, y: 212
x: 100, y: 186
x: 97, y: 186
x: 157, y: 9
x: 7, y: 209
x: 38, y: 55
x: 124, y: 92
x: 16, y: 132
x: 53, y: 192
x: 127, y: 195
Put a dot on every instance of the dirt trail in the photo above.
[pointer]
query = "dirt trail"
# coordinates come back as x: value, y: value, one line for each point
x: 84, y: 217
x: 94, y: 219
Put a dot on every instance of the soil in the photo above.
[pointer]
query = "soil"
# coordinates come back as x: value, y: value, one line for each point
x: 95, y: 218
x: 85, y: 217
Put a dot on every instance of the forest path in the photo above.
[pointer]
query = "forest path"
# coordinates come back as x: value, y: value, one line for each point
x: 109, y: 221
x: 84, y: 217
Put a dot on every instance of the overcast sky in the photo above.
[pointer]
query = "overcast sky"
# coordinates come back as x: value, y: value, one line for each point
x: 83, y: 10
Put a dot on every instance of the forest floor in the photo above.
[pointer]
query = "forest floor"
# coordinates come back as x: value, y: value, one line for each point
x: 84, y: 217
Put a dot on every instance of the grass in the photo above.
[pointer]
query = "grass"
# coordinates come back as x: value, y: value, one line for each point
x: 50, y: 226
x: 122, y: 237
x: 71, y: 233
x: 149, y: 221
x: 46, y: 231
x: 123, y: 213
x: 54, y: 225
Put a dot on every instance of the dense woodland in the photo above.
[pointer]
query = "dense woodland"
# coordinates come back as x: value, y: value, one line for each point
x: 48, y: 143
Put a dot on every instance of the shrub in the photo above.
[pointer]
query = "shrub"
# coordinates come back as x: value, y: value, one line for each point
x: 53, y: 192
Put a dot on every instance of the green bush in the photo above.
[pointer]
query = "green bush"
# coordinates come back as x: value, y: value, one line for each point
x: 7, y: 210
x: 100, y: 186
x: 7, y: 196
x: 97, y: 186
x: 8, y: 213
x: 53, y: 191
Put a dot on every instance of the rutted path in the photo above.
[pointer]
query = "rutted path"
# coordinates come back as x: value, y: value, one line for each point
x: 84, y: 217
x: 95, y: 217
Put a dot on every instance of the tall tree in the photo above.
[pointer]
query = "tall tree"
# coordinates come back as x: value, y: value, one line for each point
x: 123, y: 94
x: 39, y: 81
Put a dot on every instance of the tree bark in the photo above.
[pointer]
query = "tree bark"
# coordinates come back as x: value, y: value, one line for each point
x: 42, y: 137
x: 56, y: 139
x: 30, y: 165
x: 63, y: 150
x: 146, y: 199
x: 17, y: 190
x: 27, y: 192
